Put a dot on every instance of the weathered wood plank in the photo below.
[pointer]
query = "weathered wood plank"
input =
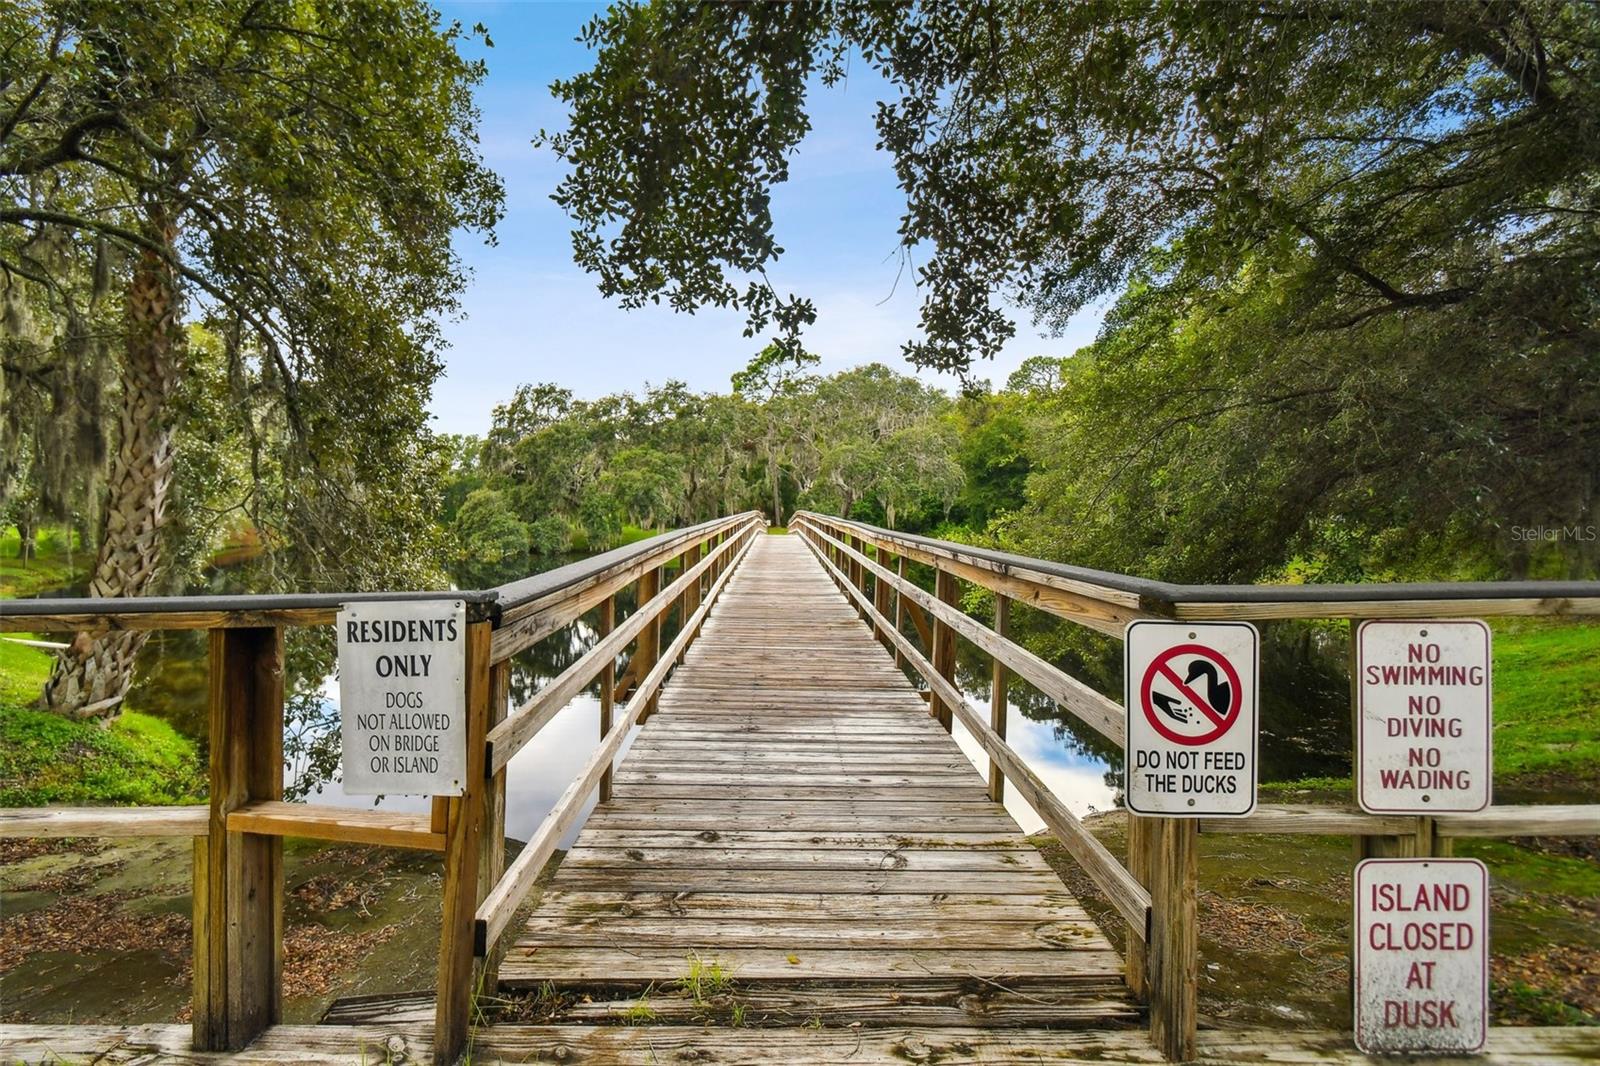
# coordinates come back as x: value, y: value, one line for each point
x: 830, y: 1045
x: 528, y: 966
x: 186, y: 821
x: 792, y: 812
x: 352, y: 824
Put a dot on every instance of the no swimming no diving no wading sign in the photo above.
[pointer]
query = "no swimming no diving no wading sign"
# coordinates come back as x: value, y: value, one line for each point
x: 402, y: 697
x: 1423, y: 717
x: 1191, y: 694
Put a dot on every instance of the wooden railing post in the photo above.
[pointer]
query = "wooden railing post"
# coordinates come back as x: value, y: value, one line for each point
x: 492, y: 845
x: 608, y: 687
x: 691, y: 595
x: 648, y: 649
x: 238, y: 988
x: 856, y: 572
x: 880, y: 598
x: 899, y: 611
x: 1173, y: 962
x: 1136, y: 970
x: 944, y: 645
x: 464, y: 826
x: 997, y: 695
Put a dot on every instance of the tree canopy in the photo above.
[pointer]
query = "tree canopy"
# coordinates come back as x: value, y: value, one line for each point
x: 290, y: 176
x: 1353, y: 251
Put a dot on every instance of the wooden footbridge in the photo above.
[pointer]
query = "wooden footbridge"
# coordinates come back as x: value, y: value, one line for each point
x: 792, y: 828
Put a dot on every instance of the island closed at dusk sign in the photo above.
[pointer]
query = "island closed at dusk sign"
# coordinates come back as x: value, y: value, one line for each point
x: 402, y: 697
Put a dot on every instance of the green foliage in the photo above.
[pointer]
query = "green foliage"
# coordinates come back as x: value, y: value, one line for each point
x: 669, y: 457
x: 302, y: 171
x: 486, y: 530
x: 550, y: 535
x: 48, y: 567
x: 1419, y: 156
x: 1354, y: 246
x: 137, y: 759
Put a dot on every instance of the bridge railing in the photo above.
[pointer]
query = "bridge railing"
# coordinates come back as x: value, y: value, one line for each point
x: 238, y: 885
x: 1156, y: 891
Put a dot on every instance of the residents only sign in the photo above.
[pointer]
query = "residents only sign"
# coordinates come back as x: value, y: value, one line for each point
x: 1421, y: 955
x: 1423, y: 720
x: 403, y: 698
x: 1190, y: 690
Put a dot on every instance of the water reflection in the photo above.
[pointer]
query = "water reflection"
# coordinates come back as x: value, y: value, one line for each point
x: 1081, y: 780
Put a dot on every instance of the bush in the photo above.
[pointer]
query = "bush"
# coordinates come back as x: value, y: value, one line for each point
x: 550, y: 535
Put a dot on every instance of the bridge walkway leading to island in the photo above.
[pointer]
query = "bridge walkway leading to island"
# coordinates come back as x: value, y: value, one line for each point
x: 792, y: 815
x: 792, y: 862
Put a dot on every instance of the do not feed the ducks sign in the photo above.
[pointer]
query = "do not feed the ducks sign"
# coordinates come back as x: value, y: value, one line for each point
x: 1191, y: 692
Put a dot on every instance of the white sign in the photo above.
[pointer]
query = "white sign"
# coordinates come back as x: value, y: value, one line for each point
x: 1423, y: 717
x: 1190, y: 690
x: 403, y: 697
x: 1422, y: 955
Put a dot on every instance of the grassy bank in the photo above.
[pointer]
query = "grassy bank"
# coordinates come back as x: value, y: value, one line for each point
x: 44, y: 758
x: 52, y: 568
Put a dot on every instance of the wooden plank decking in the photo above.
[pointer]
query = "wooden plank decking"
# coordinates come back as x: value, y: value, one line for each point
x: 654, y: 1045
x: 793, y: 814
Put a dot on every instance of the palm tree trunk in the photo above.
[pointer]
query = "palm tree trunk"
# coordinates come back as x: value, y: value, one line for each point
x: 92, y: 675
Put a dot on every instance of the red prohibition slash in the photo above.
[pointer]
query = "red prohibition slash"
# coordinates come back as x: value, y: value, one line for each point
x: 1221, y: 723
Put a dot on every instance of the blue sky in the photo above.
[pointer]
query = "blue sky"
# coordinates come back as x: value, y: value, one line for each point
x: 532, y: 315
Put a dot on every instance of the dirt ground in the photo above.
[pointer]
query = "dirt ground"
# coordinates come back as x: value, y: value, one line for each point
x: 1274, y: 915
x: 96, y: 930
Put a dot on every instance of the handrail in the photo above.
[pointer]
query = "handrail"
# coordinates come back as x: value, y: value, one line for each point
x: 1162, y: 851
x: 234, y: 899
x: 40, y: 822
x: 519, y: 727
x: 501, y: 604
x: 1140, y: 597
x: 1130, y: 898
x: 501, y: 902
x: 1101, y: 713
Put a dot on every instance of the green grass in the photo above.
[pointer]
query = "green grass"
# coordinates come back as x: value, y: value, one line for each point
x: 23, y: 671
x: 706, y: 980
x: 45, y: 758
x: 137, y: 759
x: 1546, y: 700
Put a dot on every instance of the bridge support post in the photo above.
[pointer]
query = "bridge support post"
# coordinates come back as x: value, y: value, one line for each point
x: 899, y: 611
x: 492, y: 845
x: 648, y: 648
x: 997, y: 697
x: 690, y: 600
x: 857, y: 573
x: 238, y: 907
x: 608, y: 687
x: 944, y: 645
x: 1172, y: 967
x: 464, y: 826
x: 1136, y: 972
